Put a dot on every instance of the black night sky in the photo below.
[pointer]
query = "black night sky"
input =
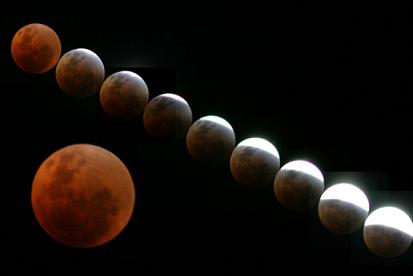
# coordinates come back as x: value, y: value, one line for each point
x: 328, y: 83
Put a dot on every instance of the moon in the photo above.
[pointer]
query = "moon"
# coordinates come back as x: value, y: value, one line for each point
x: 299, y: 185
x: 210, y: 140
x: 167, y: 117
x: 36, y: 48
x: 343, y: 208
x: 388, y: 232
x: 80, y: 73
x: 83, y: 196
x: 254, y: 163
x: 124, y: 95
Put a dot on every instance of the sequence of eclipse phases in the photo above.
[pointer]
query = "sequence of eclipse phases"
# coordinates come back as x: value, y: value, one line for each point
x: 83, y: 195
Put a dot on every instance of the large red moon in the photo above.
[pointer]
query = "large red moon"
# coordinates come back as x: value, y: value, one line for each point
x: 83, y: 196
x: 36, y: 48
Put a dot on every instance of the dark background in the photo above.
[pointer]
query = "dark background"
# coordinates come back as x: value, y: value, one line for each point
x: 322, y: 82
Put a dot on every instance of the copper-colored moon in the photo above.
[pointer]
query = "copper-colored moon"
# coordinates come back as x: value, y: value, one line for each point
x: 83, y: 196
x: 36, y: 48
x: 124, y: 95
x: 80, y: 72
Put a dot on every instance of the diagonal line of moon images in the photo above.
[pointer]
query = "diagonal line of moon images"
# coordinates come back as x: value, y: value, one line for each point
x: 83, y: 195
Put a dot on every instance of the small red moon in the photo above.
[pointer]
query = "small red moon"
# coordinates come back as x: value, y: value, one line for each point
x: 83, y: 196
x: 36, y: 48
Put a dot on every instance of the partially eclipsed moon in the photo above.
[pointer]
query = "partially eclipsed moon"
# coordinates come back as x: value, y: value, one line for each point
x: 210, y: 140
x: 124, y: 95
x: 388, y: 232
x: 254, y: 163
x: 167, y: 117
x: 299, y: 185
x: 80, y: 72
x: 83, y: 195
x: 343, y: 208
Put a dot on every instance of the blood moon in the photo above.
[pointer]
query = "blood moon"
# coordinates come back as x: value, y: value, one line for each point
x: 36, y: 48
x: 83, y: 195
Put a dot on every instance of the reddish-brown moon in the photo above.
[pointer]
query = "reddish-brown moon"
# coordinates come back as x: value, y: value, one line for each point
x: 83, y: 196
x: 36, y: 48
x: 80, y: 73
x: 124, y: 95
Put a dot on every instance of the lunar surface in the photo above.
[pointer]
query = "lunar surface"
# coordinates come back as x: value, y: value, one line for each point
x: 299, y: 185
x: 83, y: 196
x: 388, y: 232
x: 80, y: 73
x: 254, y: 163
x: 124, y: 95
x: 210, y: 140
x: 167, y: 117
x: 343, y: 208
x: 36, y: 48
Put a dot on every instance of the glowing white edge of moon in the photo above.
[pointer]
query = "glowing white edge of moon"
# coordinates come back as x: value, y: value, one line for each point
x: 216, y: 119
x: 174, y: 96
x: 130, y: 73
x: 261, y: 144
x: 391, y: 217
x: 133, y: 75
x: 87, y: 51
x: 304, y: 167
x: 348, y: 193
